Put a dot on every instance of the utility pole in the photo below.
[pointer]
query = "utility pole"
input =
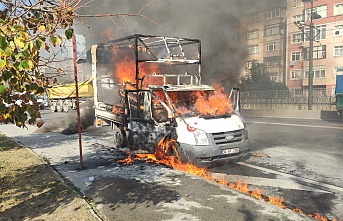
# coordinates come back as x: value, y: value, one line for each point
x: 310, y: 61
x: 310, y: 58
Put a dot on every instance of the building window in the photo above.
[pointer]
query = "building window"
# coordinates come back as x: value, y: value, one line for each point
x: 272, y: 62
x: 319, y: 52
x: 273, y: 13
x: 272, y: 30
x: 271, y: 46
x: 318, y: 72
x: 250, y: 63
x: 298, y: 19
x: 338, y: 9
x: 296, y: 56
x: 319, y: 33
x: 338, y: 71
x: 253, y: 49
x: 298, y: 3
x: 338, y: 51
x: 297, y: 38
x: 296, y: 74
x: 320, y: 10
x: 253, y: 34
x: 338, y: 30
x: 274, y: 76
x: 252, y: 18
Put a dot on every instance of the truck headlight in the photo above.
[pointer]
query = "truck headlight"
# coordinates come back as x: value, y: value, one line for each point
x: 200, y: 137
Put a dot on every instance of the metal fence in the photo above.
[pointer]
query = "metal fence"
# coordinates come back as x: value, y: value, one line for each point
x: 294, y: 99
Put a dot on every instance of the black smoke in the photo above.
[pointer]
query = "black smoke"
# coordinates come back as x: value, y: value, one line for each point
x: 69, y: 123
x: 216, y: 23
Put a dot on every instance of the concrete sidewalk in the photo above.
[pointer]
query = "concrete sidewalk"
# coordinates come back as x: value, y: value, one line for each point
x: 141, y: 191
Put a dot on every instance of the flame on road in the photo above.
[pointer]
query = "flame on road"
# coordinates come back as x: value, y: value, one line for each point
x: 162, y: 156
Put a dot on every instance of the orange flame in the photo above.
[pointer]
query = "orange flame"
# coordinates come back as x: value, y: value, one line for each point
x: 127, y: 160
x: 317, y: 216
x: 277, y: 201
x: 125, y: 67
x: 240, y: 186
x: 206, y: 103
x: 217, y: 103
x: 256, y: 193
x: 298, y: 210
x: 116, y: 111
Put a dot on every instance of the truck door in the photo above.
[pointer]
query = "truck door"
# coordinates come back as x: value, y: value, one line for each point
x: 235, y: 99
x: 144, y: 131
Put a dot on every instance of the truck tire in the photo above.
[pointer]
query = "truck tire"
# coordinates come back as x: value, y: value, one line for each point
x: 118, y: 138
x: 66, y: 105
x: 180, y: 152
x: 52, y: 107
x: 59, y: 106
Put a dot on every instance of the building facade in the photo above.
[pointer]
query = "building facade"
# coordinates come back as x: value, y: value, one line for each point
x: 279, y: 36
x: 327, y: 38
x: 265, y: 32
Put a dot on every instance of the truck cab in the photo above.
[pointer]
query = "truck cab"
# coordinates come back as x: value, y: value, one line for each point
x: 202, y: 137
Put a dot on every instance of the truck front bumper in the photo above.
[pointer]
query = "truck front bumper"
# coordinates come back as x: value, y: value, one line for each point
x: 213, y: 155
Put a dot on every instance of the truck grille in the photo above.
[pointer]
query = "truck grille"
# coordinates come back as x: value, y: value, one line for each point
x: 223, y: 138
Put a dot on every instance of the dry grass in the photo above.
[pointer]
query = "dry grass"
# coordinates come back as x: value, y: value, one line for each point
x: 30, y: 190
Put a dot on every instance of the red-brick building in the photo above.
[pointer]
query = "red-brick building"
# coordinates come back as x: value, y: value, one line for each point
x: 279, y: 37
x: 327, y: 44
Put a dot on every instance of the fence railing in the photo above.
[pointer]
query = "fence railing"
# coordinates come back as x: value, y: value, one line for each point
x: 295, y: 99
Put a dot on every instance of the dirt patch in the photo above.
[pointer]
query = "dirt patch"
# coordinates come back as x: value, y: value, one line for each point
x: 30, y: 190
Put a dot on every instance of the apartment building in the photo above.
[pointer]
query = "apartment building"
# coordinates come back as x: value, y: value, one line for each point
x: 327, y: 20
x: 279, y: 36
x: 265, y: 32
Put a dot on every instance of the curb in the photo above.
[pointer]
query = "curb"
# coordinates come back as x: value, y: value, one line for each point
x: 297, y: 114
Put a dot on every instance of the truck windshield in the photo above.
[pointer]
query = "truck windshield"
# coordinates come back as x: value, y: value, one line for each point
x: 199, y: 103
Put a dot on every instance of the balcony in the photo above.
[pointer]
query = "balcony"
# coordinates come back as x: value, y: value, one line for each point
x: 316, y: 82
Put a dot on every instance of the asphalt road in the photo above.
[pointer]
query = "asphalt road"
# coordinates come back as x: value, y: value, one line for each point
x: 295, y: 159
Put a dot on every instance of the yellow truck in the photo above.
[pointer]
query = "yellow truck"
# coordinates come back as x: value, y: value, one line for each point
x: 62, y: 97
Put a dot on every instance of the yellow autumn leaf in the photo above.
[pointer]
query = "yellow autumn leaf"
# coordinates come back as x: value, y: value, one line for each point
x: 59, y: 41
x: 2, y: 63
x: 30, y: 63
x: 41, y: 29
x: 25, y: 35
x: 19, y: 42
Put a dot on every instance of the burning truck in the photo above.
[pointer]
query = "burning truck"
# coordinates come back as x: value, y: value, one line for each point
x: 149, y: 90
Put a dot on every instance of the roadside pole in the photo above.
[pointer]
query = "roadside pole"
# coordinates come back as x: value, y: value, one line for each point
x: 77, y: 101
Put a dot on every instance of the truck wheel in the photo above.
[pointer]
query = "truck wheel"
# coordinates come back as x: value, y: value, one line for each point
x: 176, y: 149
x: 59, y: 106
x: 52, y: 106
x: 118, y: 138
x: 66, y: 105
